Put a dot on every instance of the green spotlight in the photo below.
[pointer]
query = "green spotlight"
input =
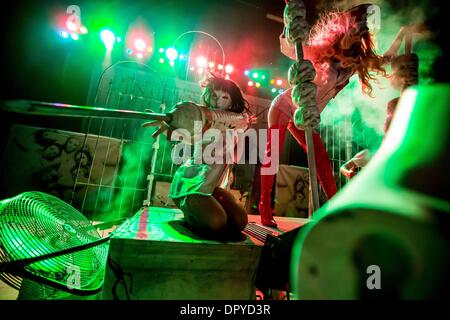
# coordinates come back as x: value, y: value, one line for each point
x: 171, y: 53
x: 108, y: 38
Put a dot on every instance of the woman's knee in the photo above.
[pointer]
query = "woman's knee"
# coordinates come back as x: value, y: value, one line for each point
x: 206, y: 215
x: 240, y: 219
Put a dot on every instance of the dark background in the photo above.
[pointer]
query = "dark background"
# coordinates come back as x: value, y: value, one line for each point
x: 37, y: 64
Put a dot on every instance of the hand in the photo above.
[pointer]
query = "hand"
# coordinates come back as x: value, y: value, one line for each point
x: 296, y: 26
x: 183, y: 115
x: 405, y: 71
x: 250, y: 119
x: 163, y: 127
x: 348, y: 169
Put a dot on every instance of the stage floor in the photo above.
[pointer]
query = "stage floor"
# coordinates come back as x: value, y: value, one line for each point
x: 166, y: 225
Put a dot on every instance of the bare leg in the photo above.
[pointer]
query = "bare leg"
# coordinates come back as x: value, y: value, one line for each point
x: 204, y: 214
x: 236, y: 215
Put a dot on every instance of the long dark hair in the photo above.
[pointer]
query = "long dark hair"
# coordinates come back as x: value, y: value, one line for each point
x: 212, y: 82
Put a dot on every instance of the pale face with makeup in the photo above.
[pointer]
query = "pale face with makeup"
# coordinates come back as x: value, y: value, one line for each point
x: 221, y: 100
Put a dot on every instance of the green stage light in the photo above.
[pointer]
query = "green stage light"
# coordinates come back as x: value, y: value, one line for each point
x: 108, y: 38
x: 171, y: 53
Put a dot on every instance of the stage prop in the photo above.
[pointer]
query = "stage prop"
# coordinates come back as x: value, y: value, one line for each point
x: 291, y: 194
x: 49, y: 250
x: 386, y: 233
x: 77, y: 168
x: 154, y: 256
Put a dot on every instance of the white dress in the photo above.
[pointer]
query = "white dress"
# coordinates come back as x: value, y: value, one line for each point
x: 195, y: 178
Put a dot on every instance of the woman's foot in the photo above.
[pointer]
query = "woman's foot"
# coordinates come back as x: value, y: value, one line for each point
x: 265, y: 211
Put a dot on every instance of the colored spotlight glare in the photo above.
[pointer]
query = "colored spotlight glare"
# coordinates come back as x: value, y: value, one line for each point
x: 246, y: 72
x: 181, y: 57
x: 171, y: 53
x: 250, y: 83
x: 263, y: 77
x: 64, y: 34
x: 149, y: 49
x: 279, y: 82
x: 140, y: 45
x: 74, y: 36
x: 227, y: 77
x: 139, y: 55
x: 272, y: 81
x: 200, y: 70
x: 201, y: 61
x: 229, y: 68
x: 280, y: 91
x: 211, y: 64
x: 255, y: 75
x: 274, y: 90
x: 161, y: 60
x: 108, y: 38
x: 129, y: 51
x: 220, y: 66
x: 171, y: 63
x: 258, y: 84
x: 192, y: 68
x: 71, y: 26
x: 83, y: 30
x: 119, y: 39
x: 161, y: 50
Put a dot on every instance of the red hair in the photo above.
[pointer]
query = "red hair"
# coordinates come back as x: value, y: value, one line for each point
x: 338, y: 36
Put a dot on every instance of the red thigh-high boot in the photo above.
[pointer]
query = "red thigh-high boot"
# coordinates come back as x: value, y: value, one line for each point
x: 264, y: 207
x: 323, y: 163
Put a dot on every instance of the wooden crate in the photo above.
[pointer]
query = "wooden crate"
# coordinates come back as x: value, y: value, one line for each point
x: 160, y: 259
